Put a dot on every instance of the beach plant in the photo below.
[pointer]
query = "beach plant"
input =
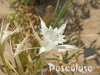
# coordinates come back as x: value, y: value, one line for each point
x: 49, y: 38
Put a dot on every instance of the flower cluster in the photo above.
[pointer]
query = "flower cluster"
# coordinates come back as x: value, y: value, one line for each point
x: 51, y: 40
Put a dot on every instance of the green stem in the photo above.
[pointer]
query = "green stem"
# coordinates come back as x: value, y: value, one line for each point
x: 37, y: 67
x: 53, y: 15
x: 73, y: 54
x: 11, y: 66
x: 29, y: 64
x: 43, y: 59
x: 2, y: 58
x: 51, y: 59
x: 62, y: 13
x: 20, y: 68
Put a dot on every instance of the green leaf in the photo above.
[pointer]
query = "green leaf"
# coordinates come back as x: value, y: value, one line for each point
x: 68, y: 41
x: 62, y: 13
x: 36, y: 58
x: 51, y: 59
x: 66, y: 54
x: 22, y: 58
x: 53, y: 15
x: 34, y: 44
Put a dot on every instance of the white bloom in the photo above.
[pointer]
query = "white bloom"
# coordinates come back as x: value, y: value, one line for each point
x: 20, y: 47
x: 4, y: 35
x: 55, y: 35
x: 51, y: 38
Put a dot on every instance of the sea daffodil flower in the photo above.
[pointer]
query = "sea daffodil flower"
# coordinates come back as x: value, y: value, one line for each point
x: 20, y: 47
x: 55, y: 35
x: 5, y: 34
x: 52, y: 38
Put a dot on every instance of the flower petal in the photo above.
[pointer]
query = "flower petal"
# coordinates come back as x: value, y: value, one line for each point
x: 67, y: 46
x: 62, y: 48
x: 43, y: 25
x: 42, y: 49
x: 1, y: 29
x: 48, y: 44
x: 35, y: 34
x: 5, y: 36
x: 20, y: 47
x: 62, y: 28
x: 6, y: 33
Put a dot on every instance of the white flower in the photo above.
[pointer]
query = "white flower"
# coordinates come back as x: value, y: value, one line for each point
x: 52, y: 38
x: 55, y: 35
x: 4, y: 35
x: 20, y: 47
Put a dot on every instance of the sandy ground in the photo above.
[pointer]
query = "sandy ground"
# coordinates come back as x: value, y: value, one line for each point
x: 88, y: 11
x: 5, y: 8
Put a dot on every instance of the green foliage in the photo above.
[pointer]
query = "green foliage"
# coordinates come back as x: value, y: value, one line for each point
x: 62, y: 13
x: 65, y: 57
x: 36, y: 58
x: 17, y: 17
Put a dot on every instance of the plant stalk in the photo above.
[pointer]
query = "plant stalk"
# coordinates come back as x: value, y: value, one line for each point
x: 3, y: 60
x: 20, y: 68
x: 62, y: 13
x: 11, y: 67
x: 37, y: 67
